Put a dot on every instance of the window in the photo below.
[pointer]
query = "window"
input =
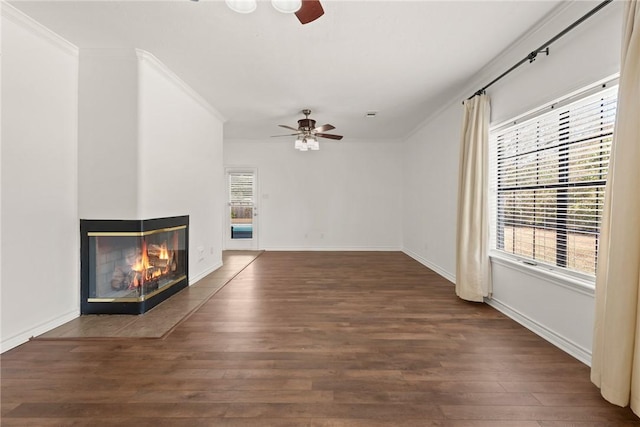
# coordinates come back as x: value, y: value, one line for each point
x: 241, y: 204
x: 547, y: 177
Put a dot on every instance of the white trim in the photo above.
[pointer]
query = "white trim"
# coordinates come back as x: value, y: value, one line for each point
x: 18, y: 17
x: 40, y: 329
x: 336, y: 248
x: 195, y: 279
x: 154, y: 62
x: 563, y: 343
x: 108, y: 52
x: 538, y: 272
x: 430, y: 265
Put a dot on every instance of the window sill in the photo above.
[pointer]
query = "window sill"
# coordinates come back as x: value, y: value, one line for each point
x: 586, y: 287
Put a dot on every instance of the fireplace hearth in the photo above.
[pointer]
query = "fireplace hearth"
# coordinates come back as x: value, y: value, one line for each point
x: 130, y: 266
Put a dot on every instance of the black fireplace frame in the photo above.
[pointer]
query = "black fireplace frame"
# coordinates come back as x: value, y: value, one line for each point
x: 87, y: 265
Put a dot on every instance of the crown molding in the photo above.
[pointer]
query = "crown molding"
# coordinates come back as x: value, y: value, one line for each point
x: 20, y: 18
x: 154, y: 62
x: 109, y: 52
x: 494, y: 66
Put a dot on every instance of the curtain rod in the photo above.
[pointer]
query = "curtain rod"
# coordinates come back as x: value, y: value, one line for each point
x: 545, y: 47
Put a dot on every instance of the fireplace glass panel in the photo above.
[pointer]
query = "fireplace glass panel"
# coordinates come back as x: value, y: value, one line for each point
x: 136, y: 265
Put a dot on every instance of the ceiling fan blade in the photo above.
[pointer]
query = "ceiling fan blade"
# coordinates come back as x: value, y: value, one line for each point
x: 288, y: 127
x: 324, y: 128
x: 291, y: 134
x: 310, y: 11
x: 328, y: 135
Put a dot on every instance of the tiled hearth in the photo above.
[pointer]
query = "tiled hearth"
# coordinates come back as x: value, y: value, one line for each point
x: 161, y: 319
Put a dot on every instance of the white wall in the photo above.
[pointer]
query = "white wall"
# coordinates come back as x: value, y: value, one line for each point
x: 557, y: 310
x: 347, y: 196
x: 150, y: 147
x: 40, y: 263
x: 108, y: 134
x: 180, y: 162
x: 430, y: 184
x: 147, y: 147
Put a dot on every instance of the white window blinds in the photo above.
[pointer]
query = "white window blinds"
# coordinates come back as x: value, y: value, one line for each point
x: 548, y: 174
x: 241, y: 189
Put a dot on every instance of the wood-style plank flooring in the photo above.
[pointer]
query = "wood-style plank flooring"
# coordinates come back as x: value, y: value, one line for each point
x: 313, y: 339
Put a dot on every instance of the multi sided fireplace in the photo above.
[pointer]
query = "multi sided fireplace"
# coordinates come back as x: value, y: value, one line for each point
x: 130, y: 266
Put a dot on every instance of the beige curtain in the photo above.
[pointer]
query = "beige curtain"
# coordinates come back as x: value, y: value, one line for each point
x: 472, y: 258
x: 615, y: 364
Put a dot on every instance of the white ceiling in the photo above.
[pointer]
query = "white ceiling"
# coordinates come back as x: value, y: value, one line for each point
x: 259, y: 70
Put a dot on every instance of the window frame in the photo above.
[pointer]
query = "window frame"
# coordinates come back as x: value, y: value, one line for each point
x: 546, y: 270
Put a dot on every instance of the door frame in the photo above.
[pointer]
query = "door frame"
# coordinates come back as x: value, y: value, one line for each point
x: 241, y: 244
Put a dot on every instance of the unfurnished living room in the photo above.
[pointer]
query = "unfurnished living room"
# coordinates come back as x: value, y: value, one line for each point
x: 320, y: 213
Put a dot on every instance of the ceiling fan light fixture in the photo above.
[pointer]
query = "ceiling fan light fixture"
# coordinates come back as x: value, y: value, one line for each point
x: 287, y: 6
x: 313, y: 144
x: 242, y: 6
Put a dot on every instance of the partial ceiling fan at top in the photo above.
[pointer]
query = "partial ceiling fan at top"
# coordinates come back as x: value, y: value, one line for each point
x: 306, y: 10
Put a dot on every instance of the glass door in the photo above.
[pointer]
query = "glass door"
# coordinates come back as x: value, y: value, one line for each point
x: 242, y: 210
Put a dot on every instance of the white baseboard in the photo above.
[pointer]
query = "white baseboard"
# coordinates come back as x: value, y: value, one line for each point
x: 431, y: 266
x: 40, y: 329
x: 194, y: 279
x: 563, y: 343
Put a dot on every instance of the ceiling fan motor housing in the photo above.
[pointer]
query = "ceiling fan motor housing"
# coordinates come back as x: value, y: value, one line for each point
x: 306, y: 124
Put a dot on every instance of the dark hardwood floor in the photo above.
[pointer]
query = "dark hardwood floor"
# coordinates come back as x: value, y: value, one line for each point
x: 313, y: 339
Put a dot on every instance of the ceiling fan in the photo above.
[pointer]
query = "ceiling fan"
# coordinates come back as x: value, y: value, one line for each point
x: 309, y: 11
x: 307, y: 133
x: 306, y: 10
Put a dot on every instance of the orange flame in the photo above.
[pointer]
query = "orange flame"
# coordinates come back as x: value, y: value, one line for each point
x: 145, y: 256
x: 143, y: 267
x: 138, y: 266
x: 164, y: 253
